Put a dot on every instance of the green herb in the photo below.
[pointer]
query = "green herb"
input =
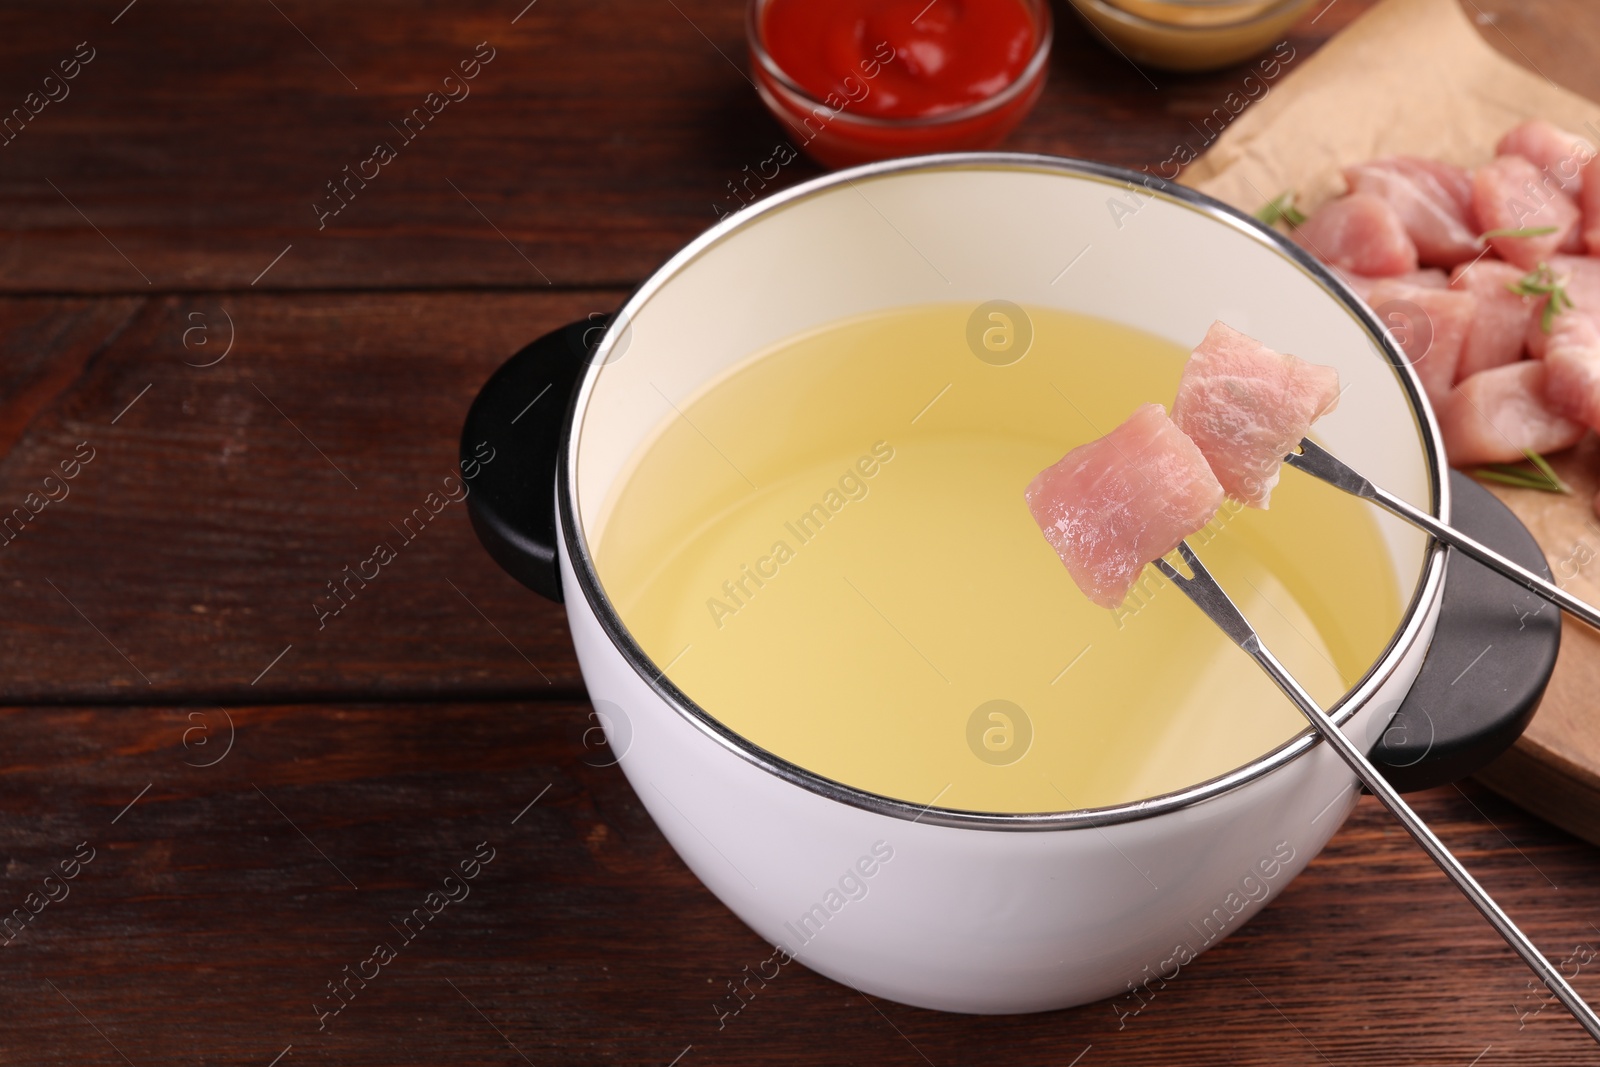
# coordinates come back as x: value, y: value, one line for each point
x: 1281, y: 207
x: 1526, y: 231
x: 1543, y: 477
x: 1547, y: 470
x: 1543, y: 282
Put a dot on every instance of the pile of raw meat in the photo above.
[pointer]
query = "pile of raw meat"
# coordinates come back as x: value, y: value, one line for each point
x: 1507, y: 343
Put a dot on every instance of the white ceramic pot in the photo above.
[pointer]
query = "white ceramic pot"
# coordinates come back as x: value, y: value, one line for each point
x: 939, y: 908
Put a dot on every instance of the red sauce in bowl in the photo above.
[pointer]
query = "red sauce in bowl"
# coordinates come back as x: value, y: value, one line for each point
x: 857, y: 80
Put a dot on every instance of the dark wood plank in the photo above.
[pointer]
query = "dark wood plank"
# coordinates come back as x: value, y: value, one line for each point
x: 45, y: 344
x: 216, y: 908
x: 191, y: 549
x: 600, y: 138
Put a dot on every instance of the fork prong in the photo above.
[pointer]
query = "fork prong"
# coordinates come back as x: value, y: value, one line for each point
x: 1318, y: 462
x: 1210, y: 598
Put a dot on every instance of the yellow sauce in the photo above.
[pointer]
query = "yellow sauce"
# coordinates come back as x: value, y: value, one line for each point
x: 1197, y: 36
x: 829, y: 551
x: 1214, y: 13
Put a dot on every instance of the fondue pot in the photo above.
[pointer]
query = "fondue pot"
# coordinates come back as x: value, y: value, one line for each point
x: 975, y: 911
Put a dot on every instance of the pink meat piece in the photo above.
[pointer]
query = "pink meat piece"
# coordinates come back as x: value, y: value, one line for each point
x: 1580, y: 276
x: 1559, y: 153
x: 1114, y: 504
x: 1431, y: 327
x: 1359, y: 234
x: 1495, y: 414
x: 1510, y: 193
x: 1573, y: 243
x: 1590, y: 200
x: 1433, y: 200
x: 1534, y: 338
x: 1500, y: 320
x: 1430, y: 278
x: 1572, y: 365
x: 1247, y: 407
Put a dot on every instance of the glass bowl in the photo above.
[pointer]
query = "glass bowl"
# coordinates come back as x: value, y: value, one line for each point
x: 830, y: 133
x: 1191, y: 34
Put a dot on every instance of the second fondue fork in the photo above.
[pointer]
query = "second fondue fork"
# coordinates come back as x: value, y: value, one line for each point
x: 1318, y: 462
x: 1203, y: 589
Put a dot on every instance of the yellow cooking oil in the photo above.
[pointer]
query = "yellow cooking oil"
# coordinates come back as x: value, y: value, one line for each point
x: 828, y: 550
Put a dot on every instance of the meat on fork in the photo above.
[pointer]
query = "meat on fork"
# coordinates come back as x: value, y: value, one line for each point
x: 1246, y: 407
x: 1111, y: 506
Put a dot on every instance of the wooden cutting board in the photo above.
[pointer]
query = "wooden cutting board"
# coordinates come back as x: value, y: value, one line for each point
x: 1414, y: 77
x: 1554, y: 770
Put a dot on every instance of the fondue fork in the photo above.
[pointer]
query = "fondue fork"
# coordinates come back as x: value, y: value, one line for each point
x: 1319, y: 463
x: 1210, y: 598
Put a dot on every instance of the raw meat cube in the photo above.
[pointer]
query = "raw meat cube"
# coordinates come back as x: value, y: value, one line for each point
x: 1359, y: 234
x: 1431, y: 278
x: 1573, y: 242
x: 1580, y: 279
x: 1247, y: 407
x: 1430, y: 326
x: 1535, y: 338
x: 1500, y: 320
x: 1114, y: 504
x: 1572, y: 369
x: 1511, y: 193
x: 1495, y: 414
x: 1557, y: 152
x: 1590, y: 199
x: 1433, y: 200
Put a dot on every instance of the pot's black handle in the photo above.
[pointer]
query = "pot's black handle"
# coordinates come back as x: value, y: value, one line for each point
x: 521, y: 414
x: 1491, y: 657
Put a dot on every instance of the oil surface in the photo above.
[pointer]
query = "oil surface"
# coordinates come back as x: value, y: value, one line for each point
x: 828, y: 550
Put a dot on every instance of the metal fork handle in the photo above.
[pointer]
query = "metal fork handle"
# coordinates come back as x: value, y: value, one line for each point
x: 1203, y: 589
x: 1319, y: 463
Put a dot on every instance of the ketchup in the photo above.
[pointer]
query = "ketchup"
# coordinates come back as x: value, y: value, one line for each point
x: 897, y: 77
x: 947, y: 55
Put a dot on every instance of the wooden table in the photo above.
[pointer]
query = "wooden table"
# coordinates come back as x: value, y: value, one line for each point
x: 257, y: 797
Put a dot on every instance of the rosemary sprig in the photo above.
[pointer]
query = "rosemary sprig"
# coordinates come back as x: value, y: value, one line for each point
x: 1543, y: 282
x: 1521, y: 481
x: 1543, y: 477
x: 1281, y: 207
x: 1547, y: 470
x: 1526, y: 231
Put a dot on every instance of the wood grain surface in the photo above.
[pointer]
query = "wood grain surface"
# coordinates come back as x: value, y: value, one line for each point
x: 261, y: 400
x: 599, y: 139
x: 198, y: 542
x: 219, y: 905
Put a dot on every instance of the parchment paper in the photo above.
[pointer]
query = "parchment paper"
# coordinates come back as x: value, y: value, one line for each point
x: 1414, y: 77
x: 1409, y: 77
